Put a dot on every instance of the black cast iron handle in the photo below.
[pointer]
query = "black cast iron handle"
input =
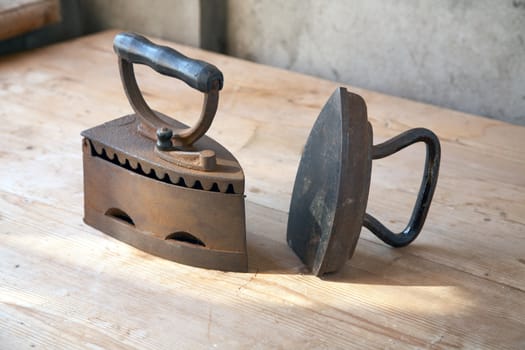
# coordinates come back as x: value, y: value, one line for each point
x: 198, y: 74
x: 426, y: 191
x: 205, y: 77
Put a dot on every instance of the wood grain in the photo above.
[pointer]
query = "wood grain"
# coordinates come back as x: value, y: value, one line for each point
x: 66, y: 285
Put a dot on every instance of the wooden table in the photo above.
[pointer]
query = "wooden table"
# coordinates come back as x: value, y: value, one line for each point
x: 65, y: 285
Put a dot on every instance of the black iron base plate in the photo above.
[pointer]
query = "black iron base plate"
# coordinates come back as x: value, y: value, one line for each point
x: 331, y: 187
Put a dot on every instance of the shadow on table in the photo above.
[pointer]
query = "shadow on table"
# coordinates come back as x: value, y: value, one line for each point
x: 373, y: 262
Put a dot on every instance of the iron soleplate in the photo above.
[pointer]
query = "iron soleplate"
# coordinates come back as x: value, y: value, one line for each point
x: 332, y: 183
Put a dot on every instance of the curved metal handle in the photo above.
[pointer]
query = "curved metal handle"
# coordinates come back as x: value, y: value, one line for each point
x: 426, y: 190
x: 198, y: 74
x: 133, y: 48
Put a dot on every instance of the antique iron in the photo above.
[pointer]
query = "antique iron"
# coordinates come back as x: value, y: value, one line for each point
x: 154, y: 183
x: 330, y: 194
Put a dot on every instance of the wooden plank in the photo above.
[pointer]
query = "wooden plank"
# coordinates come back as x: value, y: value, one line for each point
x: 64, y: 284
x: 21, y: 16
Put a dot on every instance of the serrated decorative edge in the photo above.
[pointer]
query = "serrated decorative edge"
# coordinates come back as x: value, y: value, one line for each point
x: 137, y: 167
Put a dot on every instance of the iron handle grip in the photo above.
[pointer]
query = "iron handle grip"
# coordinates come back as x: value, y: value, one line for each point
x: 426, y: 190
x: 200, y: 75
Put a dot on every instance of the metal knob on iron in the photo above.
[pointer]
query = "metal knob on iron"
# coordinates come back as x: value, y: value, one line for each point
x: 159, y: 185
x: 330, y: 194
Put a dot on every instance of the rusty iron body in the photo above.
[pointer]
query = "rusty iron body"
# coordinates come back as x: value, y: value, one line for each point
x: 159, y: 185
x: 330, y: 194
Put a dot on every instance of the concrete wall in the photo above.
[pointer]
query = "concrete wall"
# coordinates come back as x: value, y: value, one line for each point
x: 460, y: 54
x: 199, y: 23
x: 176, y: 20
x: 467, y: 55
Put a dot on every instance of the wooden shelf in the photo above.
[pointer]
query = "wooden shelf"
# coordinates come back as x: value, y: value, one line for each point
x: 21, y: 16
